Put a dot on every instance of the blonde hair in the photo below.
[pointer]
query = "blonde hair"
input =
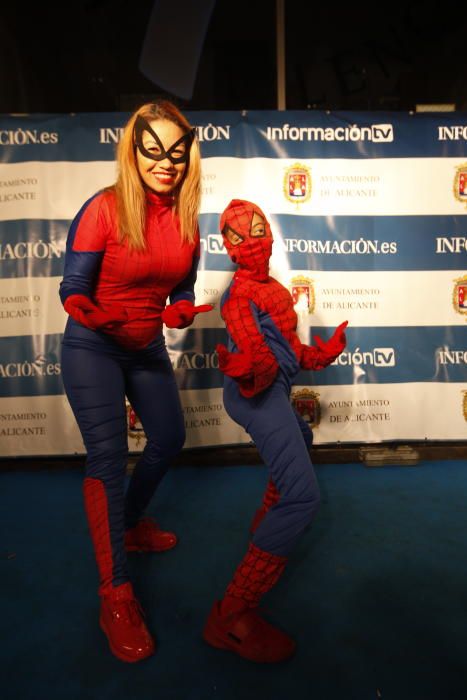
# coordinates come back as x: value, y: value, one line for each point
x: 129, y: 189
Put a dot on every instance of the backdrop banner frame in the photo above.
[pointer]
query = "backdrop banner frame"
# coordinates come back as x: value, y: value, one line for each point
x: 368, y: 212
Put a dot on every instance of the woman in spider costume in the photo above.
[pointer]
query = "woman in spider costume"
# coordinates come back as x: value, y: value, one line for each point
x: 263, y: 358
x: 130, y: 248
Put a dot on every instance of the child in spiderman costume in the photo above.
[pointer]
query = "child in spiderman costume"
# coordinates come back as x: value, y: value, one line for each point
x: 263, y: 357
x: 130, y: 248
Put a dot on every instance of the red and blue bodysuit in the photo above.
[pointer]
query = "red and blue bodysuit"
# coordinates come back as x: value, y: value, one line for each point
x: 113, y: 346
x: 260, y: 364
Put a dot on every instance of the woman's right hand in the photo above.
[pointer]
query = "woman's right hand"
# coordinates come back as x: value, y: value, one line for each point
x: 182, y: 313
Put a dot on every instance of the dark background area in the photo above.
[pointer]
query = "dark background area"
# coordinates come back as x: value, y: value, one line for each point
x: 84, y: 56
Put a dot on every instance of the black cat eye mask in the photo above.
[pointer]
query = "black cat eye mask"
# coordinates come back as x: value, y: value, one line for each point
x: 178, y: 151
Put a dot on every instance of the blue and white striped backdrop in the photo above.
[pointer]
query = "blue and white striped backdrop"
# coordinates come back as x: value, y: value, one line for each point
x: 368, y: 212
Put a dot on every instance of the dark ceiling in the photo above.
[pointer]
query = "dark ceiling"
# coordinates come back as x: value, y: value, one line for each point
x: 84, y: 56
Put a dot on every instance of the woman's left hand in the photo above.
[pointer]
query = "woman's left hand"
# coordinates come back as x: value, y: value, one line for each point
x: 182, y: 313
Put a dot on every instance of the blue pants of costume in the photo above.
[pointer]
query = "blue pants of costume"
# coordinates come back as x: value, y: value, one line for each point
x: 283, y: 439
x: 97, y: 374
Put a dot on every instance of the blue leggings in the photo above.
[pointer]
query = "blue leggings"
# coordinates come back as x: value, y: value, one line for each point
x: 97, y: 374
x: 283, y: 439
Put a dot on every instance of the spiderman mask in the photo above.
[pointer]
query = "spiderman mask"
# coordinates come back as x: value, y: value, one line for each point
x: 247, y: 237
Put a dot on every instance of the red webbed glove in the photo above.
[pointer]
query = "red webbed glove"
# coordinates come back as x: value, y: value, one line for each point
x: 86, y: 312
x: 182, y: 313
x: 253, y: 372
x: 234, y: 364
x: 320, y: 356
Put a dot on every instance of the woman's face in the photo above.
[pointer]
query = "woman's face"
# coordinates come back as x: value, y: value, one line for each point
x: 161, y: 176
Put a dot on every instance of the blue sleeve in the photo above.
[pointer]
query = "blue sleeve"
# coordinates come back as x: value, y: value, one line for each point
x: 81, y: 267
x: 186, y: 288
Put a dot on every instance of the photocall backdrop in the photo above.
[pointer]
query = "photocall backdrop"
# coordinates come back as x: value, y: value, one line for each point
x: 368, y: 212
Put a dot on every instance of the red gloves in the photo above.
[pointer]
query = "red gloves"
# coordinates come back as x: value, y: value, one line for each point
x: 256, y: 370
x: 320, y: 356
x: 336, y: 344
x: 234, y: 364
x: 83, y: 310
x: 253, y: 372
x: 182, y: 313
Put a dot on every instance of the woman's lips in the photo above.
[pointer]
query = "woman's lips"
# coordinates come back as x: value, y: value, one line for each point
x: 164, y: 177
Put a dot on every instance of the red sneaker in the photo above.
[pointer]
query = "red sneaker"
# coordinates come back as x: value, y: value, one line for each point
x: 247, y: 634
x: 121, y: 619
x: 147, y: 536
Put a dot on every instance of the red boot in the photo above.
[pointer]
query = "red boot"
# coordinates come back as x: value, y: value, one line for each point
x: 270, y: 498
x: 234, y: 623
x: 121, y: 619
x: 121, y: 614
x: 146, y: 536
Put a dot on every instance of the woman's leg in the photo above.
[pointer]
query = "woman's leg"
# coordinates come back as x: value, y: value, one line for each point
x: 94, y: 385
x: 153, y: 393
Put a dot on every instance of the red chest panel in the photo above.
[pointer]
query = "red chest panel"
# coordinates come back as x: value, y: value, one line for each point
x: 273, y: 298
x: 144, y: 279
x: 140, y: 280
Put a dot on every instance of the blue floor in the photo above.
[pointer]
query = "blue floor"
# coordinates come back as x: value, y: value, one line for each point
x: 375, y: 593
